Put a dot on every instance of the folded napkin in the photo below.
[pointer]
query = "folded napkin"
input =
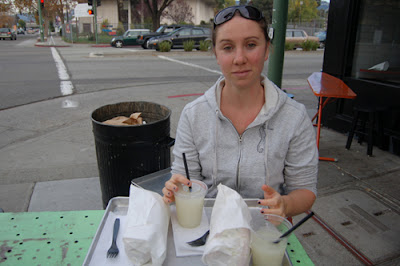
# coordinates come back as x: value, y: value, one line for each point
x: 183, y: 235
x: 146, y: 230
x: 229, y: 239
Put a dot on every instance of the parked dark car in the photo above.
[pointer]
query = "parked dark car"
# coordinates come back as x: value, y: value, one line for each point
x: 7, y: 33
x: 322, y: 38
x: 162, y: 30
x: 129, y: 38
x: 181, y: 35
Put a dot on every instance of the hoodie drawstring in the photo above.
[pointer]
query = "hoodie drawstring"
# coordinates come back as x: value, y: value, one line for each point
x: 267, y: 177
x: 215, y: 164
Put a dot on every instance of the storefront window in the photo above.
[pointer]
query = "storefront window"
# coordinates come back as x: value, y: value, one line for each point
x: 377, y: 47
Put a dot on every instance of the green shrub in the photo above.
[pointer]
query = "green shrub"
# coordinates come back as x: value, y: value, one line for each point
x: 289, y: 46
x: 104, y: 38
x: 91, y: 37
x: 204, y: 46
x: 120, y: 29
x: 165, y: 46
x: 188, y: 45
x: 309, y: 45
x: 105, y: 23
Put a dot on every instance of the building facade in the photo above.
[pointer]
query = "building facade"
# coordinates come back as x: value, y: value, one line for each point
x: 363, y: 49
x: 203, y: 10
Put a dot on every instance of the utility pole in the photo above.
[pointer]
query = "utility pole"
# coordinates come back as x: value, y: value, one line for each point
x: 40, y: 2
x: 95, y: 18
x: 279, y: 20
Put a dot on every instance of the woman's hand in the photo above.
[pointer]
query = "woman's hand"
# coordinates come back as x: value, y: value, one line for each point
x: 172, y: 185
x: 275, y: 202
x: 296, y: 202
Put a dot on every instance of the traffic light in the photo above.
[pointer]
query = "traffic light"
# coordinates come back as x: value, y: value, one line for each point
x: 90, y: 11
x: 41, y: 4
x: 90, y: 2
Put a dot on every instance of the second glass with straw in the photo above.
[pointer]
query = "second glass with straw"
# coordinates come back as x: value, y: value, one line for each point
x: 190, y: 201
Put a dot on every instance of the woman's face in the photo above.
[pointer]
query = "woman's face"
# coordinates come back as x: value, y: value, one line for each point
x: 241, y: 50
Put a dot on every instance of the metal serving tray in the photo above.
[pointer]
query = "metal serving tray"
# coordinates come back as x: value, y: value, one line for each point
x: 119, y: 207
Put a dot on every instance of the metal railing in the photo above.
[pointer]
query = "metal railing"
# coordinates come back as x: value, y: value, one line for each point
x: 84, y: 31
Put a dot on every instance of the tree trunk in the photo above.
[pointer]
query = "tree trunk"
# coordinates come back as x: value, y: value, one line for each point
x: 46, y: 28
x: 156, y: 21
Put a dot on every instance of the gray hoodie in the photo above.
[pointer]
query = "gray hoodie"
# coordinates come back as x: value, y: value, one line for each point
x: 278, y: 148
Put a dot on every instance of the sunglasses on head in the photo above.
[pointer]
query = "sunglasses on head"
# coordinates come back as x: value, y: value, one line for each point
x: 248, y: 12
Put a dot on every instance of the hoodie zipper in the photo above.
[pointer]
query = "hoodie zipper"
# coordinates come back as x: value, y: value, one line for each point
x: 240, y: 156
x: 238, y: 164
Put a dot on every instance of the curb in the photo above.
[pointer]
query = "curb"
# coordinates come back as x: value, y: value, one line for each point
x: 51, y: 45
x: 101, y: 45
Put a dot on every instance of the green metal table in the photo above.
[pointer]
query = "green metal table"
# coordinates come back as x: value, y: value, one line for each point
x: 47, y: 238
x: 64, y: 238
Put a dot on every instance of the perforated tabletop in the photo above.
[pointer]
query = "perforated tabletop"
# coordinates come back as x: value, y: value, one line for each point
x: 47, y: 238
x: 64, y: 238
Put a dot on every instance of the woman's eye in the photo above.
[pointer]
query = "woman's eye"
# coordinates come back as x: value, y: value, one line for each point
x: 251, y: 45
x: 227, y: 48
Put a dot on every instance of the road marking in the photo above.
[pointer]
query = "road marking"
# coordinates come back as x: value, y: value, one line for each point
x: 189, y: 64
x: 66, y: 86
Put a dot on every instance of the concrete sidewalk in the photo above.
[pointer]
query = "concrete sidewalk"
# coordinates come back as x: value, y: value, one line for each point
x: 358, y: 196
x: 55, y: 40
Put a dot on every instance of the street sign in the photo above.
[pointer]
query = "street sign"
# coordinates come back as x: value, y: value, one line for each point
x: 81, y: 10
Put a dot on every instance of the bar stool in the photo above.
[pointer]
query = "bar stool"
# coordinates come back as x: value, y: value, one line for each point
x: 369, y: 115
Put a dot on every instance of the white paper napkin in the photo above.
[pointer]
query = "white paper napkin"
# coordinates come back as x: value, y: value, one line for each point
x: 229, y: 239
x: 146, y: 230
x: 183, y: 235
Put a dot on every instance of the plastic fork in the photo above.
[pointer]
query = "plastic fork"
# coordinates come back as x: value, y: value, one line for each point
x: 200, y: 241
x: 113, y: 250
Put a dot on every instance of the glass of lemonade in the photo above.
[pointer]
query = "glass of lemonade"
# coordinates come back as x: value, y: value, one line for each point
x: 264, y: 251
x: 189, y: 204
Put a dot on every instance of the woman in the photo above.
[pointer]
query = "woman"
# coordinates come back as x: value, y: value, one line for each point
x: 244, y: 132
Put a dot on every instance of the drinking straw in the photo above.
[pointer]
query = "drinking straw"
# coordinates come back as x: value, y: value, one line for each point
x: 186, y: 169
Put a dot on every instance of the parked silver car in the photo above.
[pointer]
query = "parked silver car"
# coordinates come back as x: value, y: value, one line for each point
x: 297, y: 37
x: 7, y: 33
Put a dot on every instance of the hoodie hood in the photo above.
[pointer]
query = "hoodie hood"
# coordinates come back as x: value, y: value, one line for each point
x: 274, y: 99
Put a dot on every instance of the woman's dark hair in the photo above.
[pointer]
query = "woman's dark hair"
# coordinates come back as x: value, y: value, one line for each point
x: 262, y: 22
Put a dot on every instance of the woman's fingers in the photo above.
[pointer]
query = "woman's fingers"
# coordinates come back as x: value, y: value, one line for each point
x: 268, y: 191
x: 273, y: 200
x: 168, y: 195
x: 172, y: 185
x: 269, y: 202
x: 273, y: 211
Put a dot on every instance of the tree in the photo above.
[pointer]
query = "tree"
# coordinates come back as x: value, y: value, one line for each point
x: 5, y: 8
x: 221, y: 4
x: 156, y: 8
x: 302, y: 10
x: 21, y: 24
x: 179, y: 12
x: 52, y: 8
x: 266, y: 8
x: 140, y: 12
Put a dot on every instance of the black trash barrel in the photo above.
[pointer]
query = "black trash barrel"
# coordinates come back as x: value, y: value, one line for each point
x: 128, y: 152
